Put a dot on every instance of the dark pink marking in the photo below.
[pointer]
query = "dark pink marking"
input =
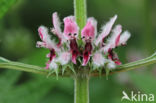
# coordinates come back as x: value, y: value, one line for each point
x: 40, y: 33
x: 51, y: 56
x: 113, y: 56
x: 117, y: 40
x: 74, y: 50
x: 87, y: 53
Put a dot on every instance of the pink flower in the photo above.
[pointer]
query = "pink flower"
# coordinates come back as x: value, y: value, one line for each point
x: 71, y: 31
x: 47, y: 43
x: 105, y: 30
x: 71, y: 28
x: 74, y: 50
x: 114, y: 57
x: 100, y: 51
x: 87, y: 53
x: 57, y: 28
x: 88, y: 33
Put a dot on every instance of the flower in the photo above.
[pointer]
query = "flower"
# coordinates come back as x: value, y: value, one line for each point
x: 96, y: 49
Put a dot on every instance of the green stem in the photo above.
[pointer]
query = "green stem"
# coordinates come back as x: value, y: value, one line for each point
x: 81, y: 93
x: 80, y: 14
x: 6, y: 64
x: 39, y: 70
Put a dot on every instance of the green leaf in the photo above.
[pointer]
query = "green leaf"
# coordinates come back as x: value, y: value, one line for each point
x: 5, y: 5
x: 3, y: 60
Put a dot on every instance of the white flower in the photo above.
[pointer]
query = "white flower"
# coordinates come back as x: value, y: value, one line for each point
x: 64, y: 58
x: 111, y: 64
x: 98, y: 59
x: 53, y: 65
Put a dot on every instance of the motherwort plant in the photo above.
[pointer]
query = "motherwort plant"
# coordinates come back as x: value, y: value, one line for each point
x: 81, y: 52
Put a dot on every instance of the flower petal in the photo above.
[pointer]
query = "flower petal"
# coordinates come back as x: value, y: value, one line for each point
x: 105, y: 30
x: 64, y: 58
x: 57, y: 28
x: 51, y: 56
x: 114, y: 57
x: 53, y: 65
x: 90, y: 30
x: 57, y: 24
x: 87, y: 53
x: 111, y: 65
x: 71, y: 28
x: 124, y: 37
x: 74, y: 50
x: 74, y: 56
x: 114, y: 39
x: 98, y: 59
x: 45, y: 37
x: 86, y: 57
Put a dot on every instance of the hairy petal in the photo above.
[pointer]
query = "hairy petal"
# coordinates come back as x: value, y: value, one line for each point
x: 87, y: 53
x: 74, y: 50
x: 111, y: 65
x: 46, y: 41
x: 64, y: 58
x: 105, y: 30
x: 98, y: 59
x: 53, y: 65
x: 124, y: 37
x: 114, y: 57
x: 114, y: 39
x: 51, y: 56
x: 57, y: 25
x: 90, y: 30
x: 71, y: 28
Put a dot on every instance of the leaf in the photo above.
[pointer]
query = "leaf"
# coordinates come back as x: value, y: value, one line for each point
x: 31, y: 91
x: 5, y: 5
x: 3, y: 60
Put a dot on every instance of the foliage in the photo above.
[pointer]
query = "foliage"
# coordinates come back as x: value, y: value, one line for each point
x: 5, y: 5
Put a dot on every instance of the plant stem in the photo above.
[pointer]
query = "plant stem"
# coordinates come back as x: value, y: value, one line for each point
x: 39, y: 70
x: 81, y: 86
x: 82, y: 78
x: 80, y: 14
x: 132, y: 65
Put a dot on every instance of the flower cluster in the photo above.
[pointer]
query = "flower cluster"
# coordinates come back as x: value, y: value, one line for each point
x: 96, y: 50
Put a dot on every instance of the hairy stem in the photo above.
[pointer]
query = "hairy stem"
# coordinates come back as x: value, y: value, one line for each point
x: 39, y: 70
x: 80, y: 14
x: 81, y: 86
x: 81, y: 93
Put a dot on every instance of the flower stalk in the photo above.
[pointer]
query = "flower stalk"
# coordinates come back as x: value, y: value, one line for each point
x: 80, y: 14
x: 81, y: 86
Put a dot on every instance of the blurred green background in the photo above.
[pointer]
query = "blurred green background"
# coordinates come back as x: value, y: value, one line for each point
x: 19, y: 20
